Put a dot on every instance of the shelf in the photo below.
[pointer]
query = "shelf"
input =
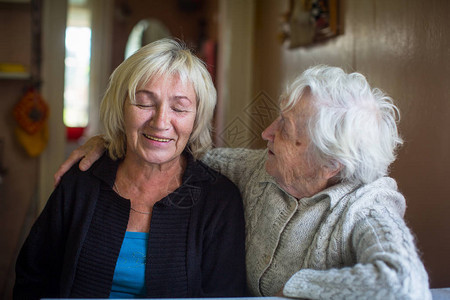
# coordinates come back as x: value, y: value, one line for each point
x: 15, y: 1
x: 14, y: 75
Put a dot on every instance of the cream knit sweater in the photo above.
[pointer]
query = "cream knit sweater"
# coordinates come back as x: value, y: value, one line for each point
x: 347, y: 242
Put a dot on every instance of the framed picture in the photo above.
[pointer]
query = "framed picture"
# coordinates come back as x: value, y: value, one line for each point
x: 310, y: 21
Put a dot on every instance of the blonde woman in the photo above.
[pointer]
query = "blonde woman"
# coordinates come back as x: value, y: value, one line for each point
x: 148, y: 219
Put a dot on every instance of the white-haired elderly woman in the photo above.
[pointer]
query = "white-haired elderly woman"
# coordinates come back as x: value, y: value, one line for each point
x: 148, y: 220
x: 322, y: 219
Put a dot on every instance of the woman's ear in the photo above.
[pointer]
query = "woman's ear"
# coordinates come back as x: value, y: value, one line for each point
x: 331, y: 170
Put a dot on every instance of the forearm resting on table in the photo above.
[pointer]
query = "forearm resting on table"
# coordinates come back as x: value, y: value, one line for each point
x: 89, y: 152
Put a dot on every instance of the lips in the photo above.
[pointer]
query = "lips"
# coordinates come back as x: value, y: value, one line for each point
x: 154, y: 138
x: 269, y: 150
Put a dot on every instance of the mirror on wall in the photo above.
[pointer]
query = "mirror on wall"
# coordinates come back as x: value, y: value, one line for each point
x: 144, y: 32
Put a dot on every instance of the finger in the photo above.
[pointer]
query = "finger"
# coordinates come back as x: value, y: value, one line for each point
x: 90, y: 158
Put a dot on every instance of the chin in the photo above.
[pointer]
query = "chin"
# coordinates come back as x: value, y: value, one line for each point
x: 269, y: 169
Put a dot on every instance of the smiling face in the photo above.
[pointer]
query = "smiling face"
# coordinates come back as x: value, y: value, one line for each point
x: 289, y: 160
x: 159, y: 124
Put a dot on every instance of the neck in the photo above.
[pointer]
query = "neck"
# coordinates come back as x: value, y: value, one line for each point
x: 136, y: 167
x: 305, y: 189
x: 136, y: 178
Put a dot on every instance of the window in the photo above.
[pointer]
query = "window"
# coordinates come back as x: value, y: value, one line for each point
x: 77, y: 65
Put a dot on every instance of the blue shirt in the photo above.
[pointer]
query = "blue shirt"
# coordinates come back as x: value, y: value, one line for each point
x: 129, y: 274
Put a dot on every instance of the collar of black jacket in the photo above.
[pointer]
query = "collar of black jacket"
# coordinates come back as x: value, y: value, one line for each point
x: 195, y: 177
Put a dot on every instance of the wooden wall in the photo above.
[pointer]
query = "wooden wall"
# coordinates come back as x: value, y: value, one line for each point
x: 403, y: 47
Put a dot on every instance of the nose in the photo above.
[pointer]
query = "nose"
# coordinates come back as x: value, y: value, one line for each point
x: 160, y: 119
x: 269, y: 133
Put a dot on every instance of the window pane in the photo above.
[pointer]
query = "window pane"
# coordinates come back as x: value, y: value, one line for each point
x: 77, y: 67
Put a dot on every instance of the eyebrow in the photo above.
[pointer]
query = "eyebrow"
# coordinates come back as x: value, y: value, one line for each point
x: 181, y: 97
x: 154, y: 96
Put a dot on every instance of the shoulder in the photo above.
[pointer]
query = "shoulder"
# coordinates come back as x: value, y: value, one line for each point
x: 382, y: 193
x: 81, y: 179
x: 71, y: 177
x: 78, y: 191
x: 379, y: 201
x: 218, y: 198
x: 220, y: 194
x: 218, y: 182
x: 237, y: 155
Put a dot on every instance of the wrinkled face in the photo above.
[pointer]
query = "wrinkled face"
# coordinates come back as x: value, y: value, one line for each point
x: 288, y: 159
x: 159, y: 124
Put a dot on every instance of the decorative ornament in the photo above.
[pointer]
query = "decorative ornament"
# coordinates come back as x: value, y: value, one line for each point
x: 31, y: 114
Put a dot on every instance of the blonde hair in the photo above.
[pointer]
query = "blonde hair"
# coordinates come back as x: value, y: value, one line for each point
x: 165, y: 57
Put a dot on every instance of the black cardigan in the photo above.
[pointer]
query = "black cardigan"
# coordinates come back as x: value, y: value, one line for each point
x: 196, y: 241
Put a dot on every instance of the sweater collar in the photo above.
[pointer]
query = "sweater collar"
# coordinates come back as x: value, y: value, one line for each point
x: 105, y: 169
x: 334, y: 193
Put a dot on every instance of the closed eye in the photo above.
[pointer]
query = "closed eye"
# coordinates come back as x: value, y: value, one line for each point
x: 181, y: 109
x: 144, y: 106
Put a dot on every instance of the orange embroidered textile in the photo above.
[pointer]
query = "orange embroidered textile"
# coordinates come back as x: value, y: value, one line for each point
x: 31, y: 112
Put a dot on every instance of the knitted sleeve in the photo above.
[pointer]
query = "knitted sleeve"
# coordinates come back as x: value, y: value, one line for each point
x: 235, y: 163
x: 387, y: 264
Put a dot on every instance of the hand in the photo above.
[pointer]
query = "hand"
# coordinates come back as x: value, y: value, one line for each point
x: 279, y: 294
x: 90, y: 152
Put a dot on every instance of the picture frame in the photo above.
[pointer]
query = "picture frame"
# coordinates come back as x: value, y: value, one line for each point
x: 308, y: 22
